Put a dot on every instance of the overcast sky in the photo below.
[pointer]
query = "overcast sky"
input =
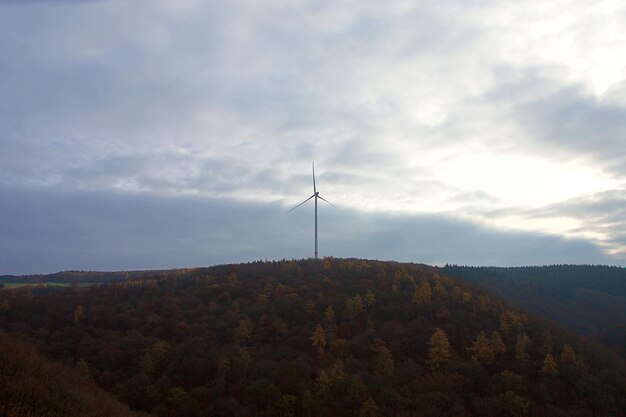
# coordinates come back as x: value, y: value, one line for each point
x: 155, y: 134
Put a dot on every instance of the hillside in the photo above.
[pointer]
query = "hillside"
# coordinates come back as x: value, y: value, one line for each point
x: 590, y: 300
x: 329, y: 337
x: 30, y: 385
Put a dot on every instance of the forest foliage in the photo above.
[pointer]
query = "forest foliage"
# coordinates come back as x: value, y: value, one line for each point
x: 33, y: 386
x: 588, y: 299
x: 342, y: 337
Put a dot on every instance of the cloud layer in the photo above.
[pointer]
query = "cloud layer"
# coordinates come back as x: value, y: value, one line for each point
x: 507, y: 117
x: 49, y: 230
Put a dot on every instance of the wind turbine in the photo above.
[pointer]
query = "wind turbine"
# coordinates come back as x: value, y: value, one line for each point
x: 316, y: 195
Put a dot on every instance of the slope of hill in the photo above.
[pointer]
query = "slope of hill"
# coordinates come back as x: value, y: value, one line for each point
x: 590, y: 300
x: 329, y: 337
x: 30, y: 385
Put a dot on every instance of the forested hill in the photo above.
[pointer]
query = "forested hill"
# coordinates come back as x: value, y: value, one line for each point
x: 588, y: 299
x: 556, y: 278
x: 329, y: 337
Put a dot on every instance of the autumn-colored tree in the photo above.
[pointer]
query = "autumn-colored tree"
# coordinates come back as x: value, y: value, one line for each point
x: 358, y: 304
x: 233, y: 280
x: 439, y: 349
x: 511, y: 321
x: 243, y: 332
x: 382, y: 275
x: 394, y: 290
x: 280, y: 327
x: 330, y: 313
x: 223, y: 365
x: 457, y: 293
x: 438, y: 289
x: 483, y: 303
x: 481, y: 349
x: 322, y: 384
x: 568, y: 356
x: 147, y: 365
x: 427, y: 292
x: 177, y: 396
x: 286, y: 405
x: 422, y: 294
x: 326, y: 265
x: 319, y: 339
x: 369, y: 409
x: 159, y: 349
x: 79, y: 313
x: 384, y: 364
x: 337, y: 371
x: 549, y: 366
x: 82, y: 367
x: 467, y: 297
x: 340, y: 348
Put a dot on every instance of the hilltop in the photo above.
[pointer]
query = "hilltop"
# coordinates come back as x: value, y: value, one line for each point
x: 343, y: 337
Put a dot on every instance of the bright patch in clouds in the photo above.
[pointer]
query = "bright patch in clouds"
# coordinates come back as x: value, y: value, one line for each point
x: 519, y: 180
x: 584, y: 40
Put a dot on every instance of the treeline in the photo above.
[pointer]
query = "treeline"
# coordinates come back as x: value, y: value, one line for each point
x: 329, y: 337
x: 85, y: 276
x: 559, y: 278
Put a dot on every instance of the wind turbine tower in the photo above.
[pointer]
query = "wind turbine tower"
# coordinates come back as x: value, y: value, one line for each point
x: 316, y: 195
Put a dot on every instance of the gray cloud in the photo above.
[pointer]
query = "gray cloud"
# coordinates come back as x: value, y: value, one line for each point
x: 46, y: 1
x: 44, y: 231
x: 603, y: 213
x: 567, y: 119
x: 233, y: 100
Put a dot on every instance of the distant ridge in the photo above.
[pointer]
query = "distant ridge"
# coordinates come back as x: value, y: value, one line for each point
x: 86, y: 276
x: 588, y: 299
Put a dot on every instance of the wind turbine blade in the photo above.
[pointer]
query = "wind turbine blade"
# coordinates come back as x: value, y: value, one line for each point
x: 327, y: 201
x: 292, y: 209
x: 314, y: 189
